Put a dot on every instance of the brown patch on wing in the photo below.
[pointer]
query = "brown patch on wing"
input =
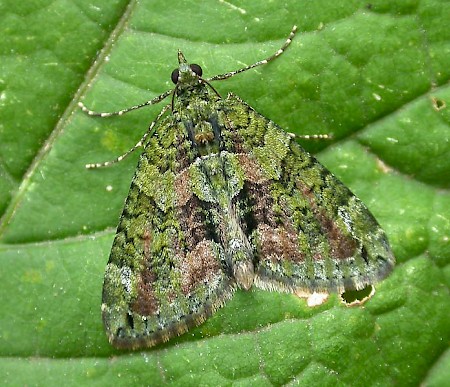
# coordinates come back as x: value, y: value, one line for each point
x: 194, y: 223
x: 257, y: 188
x: 262, y: 204
x: 192, y: 213
x: 146, y: 302
x: 199, y: 266
x: 342, y: 246
x: 251, y: 168
x: 278, y: 244
x: 182, y: 187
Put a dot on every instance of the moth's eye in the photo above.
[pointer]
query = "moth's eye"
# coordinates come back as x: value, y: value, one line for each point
x: 196, y: 69
x: 175, y: 75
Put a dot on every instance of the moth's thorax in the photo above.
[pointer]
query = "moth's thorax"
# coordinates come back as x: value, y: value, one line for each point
x: 191, y: 93
x: 195, y: 107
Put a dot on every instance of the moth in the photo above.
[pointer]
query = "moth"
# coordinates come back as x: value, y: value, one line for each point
x: 224, y: 199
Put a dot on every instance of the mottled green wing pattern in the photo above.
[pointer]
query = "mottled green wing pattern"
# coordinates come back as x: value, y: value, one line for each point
x: 310, y: 233
x: 223, y: 198
x: 166, y: 273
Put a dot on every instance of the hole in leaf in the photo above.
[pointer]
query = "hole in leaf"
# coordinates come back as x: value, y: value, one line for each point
x: 438, y: 104
x: 357, y: 297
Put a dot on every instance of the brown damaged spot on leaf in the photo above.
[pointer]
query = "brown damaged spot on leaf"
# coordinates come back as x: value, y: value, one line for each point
x: 199, y: 267
x: 438, y: 103
x: 383, y: 167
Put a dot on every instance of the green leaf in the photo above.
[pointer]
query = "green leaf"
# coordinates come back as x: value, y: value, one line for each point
x: 375, y: 75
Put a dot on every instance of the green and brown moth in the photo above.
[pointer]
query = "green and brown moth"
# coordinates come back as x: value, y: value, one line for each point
x: 223, y: 198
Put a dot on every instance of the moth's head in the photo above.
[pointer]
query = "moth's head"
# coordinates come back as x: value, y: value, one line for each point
x: 187, y: 74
